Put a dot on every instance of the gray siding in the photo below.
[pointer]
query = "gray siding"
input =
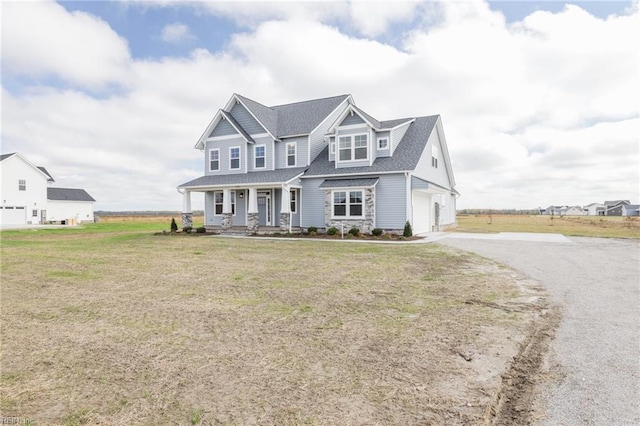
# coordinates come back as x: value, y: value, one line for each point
x: 223, y: 128
x: 352, y: 119
x: 224, y: 146
x: 246, y: 120
x: 397, y: 135
x: 301, y: 152
x: 424, y: 169
x: 209, y: 211
x: 381, y: 152
x: 312, y: 203
x: 391, y: 202
x: 316, y: 139
x: 268, y: 144
x: 418, y: 183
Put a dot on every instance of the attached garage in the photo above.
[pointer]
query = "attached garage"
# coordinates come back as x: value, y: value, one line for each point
x: 421, y: 212
x: 13, y: 215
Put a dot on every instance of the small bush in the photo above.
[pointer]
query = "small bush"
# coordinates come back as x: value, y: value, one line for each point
x: 187, y: 229
x: 354, y: 231
x: 174, y: 225
x: 332, y: 231
x: 408, y: 232
x: 313, y: 233
x: 201, y: 230
x: 377, y: 232
x: 312, y: 229
x: 402, y: 238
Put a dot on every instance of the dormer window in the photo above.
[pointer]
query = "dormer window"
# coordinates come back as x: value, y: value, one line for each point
x: 383, y: 143
x: 353, y: 148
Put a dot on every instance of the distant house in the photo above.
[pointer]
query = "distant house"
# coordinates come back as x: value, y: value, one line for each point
x: 614, y: 208
x: 28, y: 198
x: 574, y: 211
x: 594, y: 209
x: 631, y: 210
x: 555, y: 210
x: 322, y: 163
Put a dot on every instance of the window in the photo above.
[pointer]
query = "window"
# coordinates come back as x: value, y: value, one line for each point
x: 353, y: 148
x: 234, y: 158
x: 22, y: 185
x: 294, y: 200
x: 34, y: 213
x: 291, y: 154
x: 214, y: 160
x: 434, y: 156
x: 332, y: 147
x: 218, y: 202
x: 259, y: 151
x: 383, y: 143
x: 348, y: 204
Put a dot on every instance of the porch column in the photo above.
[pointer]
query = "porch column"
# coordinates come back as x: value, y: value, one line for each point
x: 253, y: 220
x: 227, y: 214
x: 285, y: 210
x: 187, y: 215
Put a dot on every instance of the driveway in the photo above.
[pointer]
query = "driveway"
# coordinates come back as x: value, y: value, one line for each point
x: 594, y: 361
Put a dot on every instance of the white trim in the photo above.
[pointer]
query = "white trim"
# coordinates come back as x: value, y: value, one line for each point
x: 347, y: 203
x: 239, y: 158
x: 348, y: 100
x: 295, y: 199
x: 264, y: 157
x: 348, y: 175
x: 384, y: 138
x: 261, y: 185
x: 209, y: 159
x: 237, y: 99
x: 234, y: 201
x: 344, y: 114
x: 260, y: 135
x: 224, y: 138
x: 354, y: 126
x: 286, y: 154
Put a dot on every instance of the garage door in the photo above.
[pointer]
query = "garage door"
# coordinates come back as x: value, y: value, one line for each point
x: 12, y: 215
x: 421, y: 210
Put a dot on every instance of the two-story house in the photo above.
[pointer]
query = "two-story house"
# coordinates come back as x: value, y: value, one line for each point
x: 322, y: 162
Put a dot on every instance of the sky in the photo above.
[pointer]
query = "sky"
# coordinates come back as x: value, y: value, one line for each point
x: 540, y: 100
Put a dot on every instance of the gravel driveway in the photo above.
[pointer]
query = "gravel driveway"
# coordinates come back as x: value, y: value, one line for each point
x: 594, y: 360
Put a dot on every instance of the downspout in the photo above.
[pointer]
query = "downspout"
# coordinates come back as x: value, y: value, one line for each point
x: 408, y: 204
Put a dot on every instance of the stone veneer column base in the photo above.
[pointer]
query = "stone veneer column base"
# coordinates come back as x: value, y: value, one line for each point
x: 253, y: 222
x: 227, y: 220
x: 187, y: 220
x: 285, y: 219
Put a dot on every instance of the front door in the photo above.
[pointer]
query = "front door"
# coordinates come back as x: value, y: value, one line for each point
x: 264, y: 208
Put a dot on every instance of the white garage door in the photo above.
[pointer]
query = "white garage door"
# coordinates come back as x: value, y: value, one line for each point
x: 13, y: 215
x: 421, y: 210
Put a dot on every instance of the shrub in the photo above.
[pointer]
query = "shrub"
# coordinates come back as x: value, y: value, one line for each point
x: 312, y: 229
x: 313, y: 233
x: 354, y: 231
x: 174, y: 225
x: 187, y: 229
x: 377, y: 232
x: 332, y: 231
x: 408, y: 232
x: 201, y: 230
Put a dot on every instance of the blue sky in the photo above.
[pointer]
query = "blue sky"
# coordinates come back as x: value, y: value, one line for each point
x: 538, y: 99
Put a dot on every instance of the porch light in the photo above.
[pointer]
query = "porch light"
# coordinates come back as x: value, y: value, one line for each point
x: 242, y: 194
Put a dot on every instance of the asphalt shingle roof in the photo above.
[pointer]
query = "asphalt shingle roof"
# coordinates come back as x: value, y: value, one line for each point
x: 270, y: 176
x: 405, y: 156
x: 345, y: 183
x: 5, y: 156
x: 237, y: 125
x: 68, y: 194
x: 43, y: 170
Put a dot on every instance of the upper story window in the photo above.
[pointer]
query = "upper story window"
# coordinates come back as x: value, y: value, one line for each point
x: 259, y: 151
x: 383, y: 143
x: 332, y: 147
x: 434, y: 156
x: 353, y: 148
x: 291, y: 154
x: 214, y: 160
x: 234, y: 158
x: 22, y: 184
x: 347, y: 204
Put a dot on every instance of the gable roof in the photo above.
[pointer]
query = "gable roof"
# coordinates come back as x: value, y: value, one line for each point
x: 68, y: 194
x: 405, y: 157
x: 39, y: 169
x: 615, y: 203
x: 277, y: 176
x: 42, y: 169
x: 236, y: 126
x: 4, y: 156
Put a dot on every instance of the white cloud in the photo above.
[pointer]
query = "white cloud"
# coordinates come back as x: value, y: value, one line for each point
x: 42, y: 39
x: 176, y: 33
x: 533, y: 114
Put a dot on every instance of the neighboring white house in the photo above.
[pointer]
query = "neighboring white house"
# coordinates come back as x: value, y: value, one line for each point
x: 27, y: 197
x: 574, y: 211
x: 594, y: 209
x: 631, y: 210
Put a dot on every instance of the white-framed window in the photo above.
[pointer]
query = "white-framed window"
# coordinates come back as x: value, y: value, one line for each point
x: 434, y: 156
x: 293, y: 197
x: 234, y: 158
x: 332, y: 146
x: 22, y: 184
x: 218, y: 203
x: 214, y: 160
x: 291, y: 154
x: 383, y: 143
x: 347, y: 204
x: 34, y: 213
x: 352, y: 148
x: 260, y: 156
